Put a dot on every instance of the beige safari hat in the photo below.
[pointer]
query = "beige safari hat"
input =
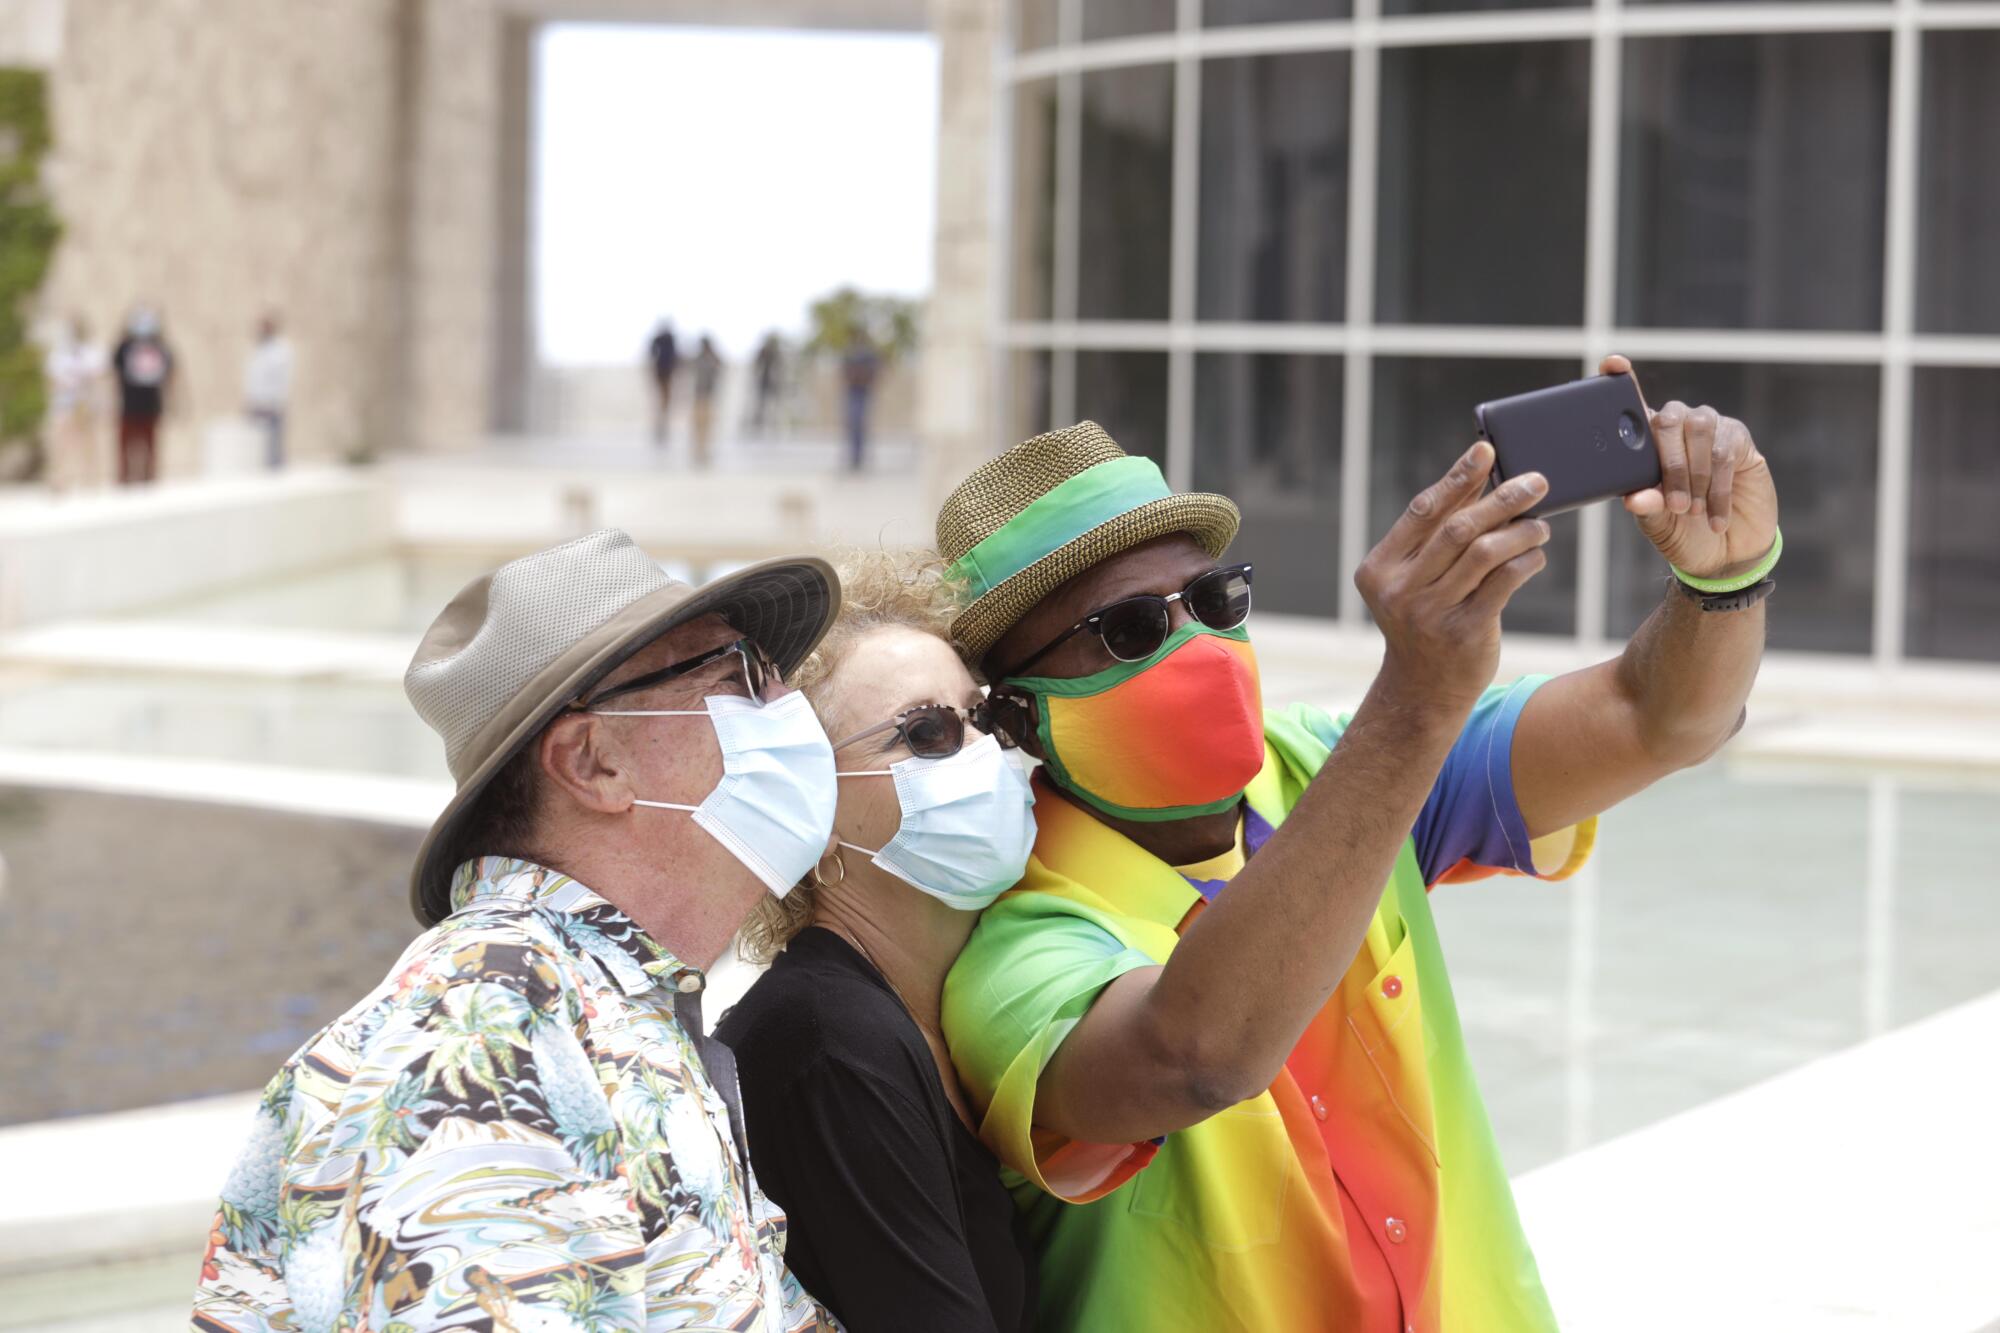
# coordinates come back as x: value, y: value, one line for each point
x: 517, y: 646
x: 1027, y: 522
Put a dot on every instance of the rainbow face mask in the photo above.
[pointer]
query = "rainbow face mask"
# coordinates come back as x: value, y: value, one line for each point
x: 1177, y: 734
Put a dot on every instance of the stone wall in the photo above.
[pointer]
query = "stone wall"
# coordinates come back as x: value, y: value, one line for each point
x: 454, y: 221
x: 221, y: 158
x: 957, y: 402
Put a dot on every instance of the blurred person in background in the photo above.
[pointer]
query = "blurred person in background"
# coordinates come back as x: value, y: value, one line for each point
x: 858, y: 1127
x: 663, y: 357
x: 74, y: 370
x: 707, y: 379
x: 267, y: 387
x: 1220, y: 989
x: 767, y: 372
x: 524, y: 1118
x: 145, y: 368
x: 860, y: 367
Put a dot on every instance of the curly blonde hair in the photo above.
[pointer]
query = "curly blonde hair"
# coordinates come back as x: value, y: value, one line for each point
x: 879, y: 589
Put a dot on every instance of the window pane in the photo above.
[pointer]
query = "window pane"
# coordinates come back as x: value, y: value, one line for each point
x: 1274, y: 188
x: 1034, y: 197
x: 1127, y: 189
x: 1423, y: 421
x: 1958, y: 190
x: 1227, y: 13
x: 1752, y: 179
x: 1460, y: 6
x: 1126, y: 393
x: 1954, y: 590
x: 1028, y: 395
x: 1267, y: 435
x: 1817, y: 426
x: 1482, y: 167
x: 1125, y: 18
x: 1037, y: 24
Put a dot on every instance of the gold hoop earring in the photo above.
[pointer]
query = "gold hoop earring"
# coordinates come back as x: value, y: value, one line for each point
x: 819, y: 880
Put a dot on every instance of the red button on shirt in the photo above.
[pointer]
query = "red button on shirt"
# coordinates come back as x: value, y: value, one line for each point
x: 1397, y: 1232
x: 1319, y: 1107
x: 1392, y: 986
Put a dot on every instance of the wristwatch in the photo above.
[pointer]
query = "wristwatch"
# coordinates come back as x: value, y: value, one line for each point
x: 1738, y: 600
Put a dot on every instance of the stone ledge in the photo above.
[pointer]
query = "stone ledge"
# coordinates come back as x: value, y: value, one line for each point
x: 110, y: 552
x: 133, y: 1185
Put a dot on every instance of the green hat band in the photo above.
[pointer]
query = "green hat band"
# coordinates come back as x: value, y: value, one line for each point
x: 1090, y: 499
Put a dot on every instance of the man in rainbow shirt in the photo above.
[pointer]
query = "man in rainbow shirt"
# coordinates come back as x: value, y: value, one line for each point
x: 1210, y: 1036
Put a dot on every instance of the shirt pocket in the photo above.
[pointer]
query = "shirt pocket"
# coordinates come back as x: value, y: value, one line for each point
x: 1386, y: 1018
x: 1223, y: 1181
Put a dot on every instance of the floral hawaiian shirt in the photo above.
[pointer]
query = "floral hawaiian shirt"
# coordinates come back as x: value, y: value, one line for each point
x: 514, y: 1133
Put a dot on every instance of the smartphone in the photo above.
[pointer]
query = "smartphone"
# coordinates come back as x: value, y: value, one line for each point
x: 1592, y: 439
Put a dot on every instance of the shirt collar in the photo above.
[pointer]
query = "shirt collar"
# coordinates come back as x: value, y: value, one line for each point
x: 1073, y: 846
x: 635, y: 961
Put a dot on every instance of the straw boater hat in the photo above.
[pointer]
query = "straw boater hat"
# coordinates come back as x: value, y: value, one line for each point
x: 1048, y: 509
x: 517, y: 646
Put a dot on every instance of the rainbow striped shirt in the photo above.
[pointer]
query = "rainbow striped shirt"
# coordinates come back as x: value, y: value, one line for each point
x: 1362, y: 1190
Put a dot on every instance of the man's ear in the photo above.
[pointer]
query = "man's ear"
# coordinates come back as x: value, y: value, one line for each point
x: 574, y: 758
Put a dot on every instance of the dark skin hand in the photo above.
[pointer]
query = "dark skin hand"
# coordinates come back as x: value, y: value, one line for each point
x: 1589, y: 739
x: 1166, y: 1047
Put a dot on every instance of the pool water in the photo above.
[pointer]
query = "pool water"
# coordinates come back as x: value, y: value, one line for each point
x: 1732, y: 925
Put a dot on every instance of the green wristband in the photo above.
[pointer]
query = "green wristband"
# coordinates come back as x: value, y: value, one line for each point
x: 1756, y: 574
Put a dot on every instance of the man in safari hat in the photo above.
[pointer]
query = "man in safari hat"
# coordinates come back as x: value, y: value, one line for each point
x: 525, y: 1116
x: 1216, y: 1008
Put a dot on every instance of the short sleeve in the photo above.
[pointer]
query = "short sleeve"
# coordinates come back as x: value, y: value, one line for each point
x: 1471, y: 825
x: 1032, y: 969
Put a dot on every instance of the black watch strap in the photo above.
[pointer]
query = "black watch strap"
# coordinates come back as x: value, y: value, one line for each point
x: 1739, y: 600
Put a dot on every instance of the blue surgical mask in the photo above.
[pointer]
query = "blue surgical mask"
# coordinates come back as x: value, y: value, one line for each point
x: 773, y: 808
x: 968, y: 824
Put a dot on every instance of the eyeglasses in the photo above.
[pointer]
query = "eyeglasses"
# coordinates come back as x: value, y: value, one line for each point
x: 933, y: 731
x: 1134, y: 629
x: 759, y: 672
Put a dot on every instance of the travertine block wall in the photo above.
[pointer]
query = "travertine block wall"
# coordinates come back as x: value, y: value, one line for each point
x: 222, y: 157
x: 455, y: 220
x: 334, y: 160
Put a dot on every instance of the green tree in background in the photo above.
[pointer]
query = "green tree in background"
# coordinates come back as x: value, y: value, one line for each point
x: 29, y: 235
x: 28, y: 232
x: 889, y: 322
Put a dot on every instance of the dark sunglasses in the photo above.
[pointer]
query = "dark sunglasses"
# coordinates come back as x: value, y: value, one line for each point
x: 759, y: 672
x: 1134, y: 629
x: 933, y: 731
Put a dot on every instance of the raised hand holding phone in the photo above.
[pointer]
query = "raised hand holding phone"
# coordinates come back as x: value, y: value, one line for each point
x: 1715, y: 512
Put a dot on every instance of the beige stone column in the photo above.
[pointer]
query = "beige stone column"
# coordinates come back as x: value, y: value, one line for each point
x: 957, y: 402
x: 452, y: 268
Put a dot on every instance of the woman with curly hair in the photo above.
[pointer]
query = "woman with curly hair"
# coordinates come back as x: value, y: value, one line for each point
x: 856, y: 1121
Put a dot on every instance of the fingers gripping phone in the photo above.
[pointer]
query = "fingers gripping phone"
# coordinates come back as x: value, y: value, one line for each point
x: 1592, y: 440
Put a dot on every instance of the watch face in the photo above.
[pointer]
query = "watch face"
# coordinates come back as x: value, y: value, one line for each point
x: 1739, y: 600
x: 1728, y: 601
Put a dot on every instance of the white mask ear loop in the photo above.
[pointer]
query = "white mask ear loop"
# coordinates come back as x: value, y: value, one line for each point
x: 863, y: 773
x: 653, y: 712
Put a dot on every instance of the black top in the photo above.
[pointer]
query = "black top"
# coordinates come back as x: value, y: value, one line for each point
x: 898, y: 1218
x: 142, y: 366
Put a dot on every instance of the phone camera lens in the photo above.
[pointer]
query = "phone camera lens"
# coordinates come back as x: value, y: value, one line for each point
x: 1630, y: 433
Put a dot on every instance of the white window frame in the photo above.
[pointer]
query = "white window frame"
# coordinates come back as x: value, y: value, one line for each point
x: 1897, y: 349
